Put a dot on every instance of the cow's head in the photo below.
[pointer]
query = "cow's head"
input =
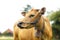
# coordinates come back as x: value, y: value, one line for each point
x: 37, y: 10
x: 31, y: 17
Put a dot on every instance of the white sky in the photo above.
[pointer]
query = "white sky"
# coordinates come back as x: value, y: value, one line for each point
x: 10, y: 10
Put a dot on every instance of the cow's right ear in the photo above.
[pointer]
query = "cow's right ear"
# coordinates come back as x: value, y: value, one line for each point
x: 23, y: 13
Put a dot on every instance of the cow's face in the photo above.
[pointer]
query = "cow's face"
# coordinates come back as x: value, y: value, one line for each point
x: 31, y: 16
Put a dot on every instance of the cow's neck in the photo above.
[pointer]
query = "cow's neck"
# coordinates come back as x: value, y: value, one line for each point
x: 40, y: 23
x: 40, y: 27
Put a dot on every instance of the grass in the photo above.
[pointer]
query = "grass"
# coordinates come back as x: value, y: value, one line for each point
x: 6, y: 38
x: 11, y: 38
x: 55, y: 39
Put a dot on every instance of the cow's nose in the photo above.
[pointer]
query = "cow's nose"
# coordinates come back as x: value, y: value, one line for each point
x: 19, y: 24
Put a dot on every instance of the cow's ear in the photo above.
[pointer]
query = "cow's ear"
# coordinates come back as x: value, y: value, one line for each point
x: 23, y: 13
x: 43, y: 10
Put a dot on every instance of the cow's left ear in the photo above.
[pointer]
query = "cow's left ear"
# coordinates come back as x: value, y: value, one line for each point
x: 23, y: 13
x: 43, y: 10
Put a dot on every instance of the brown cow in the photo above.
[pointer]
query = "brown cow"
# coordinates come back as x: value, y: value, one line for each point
x: 33, y: 27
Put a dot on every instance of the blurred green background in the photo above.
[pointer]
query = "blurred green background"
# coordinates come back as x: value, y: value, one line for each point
x: 54, y: 18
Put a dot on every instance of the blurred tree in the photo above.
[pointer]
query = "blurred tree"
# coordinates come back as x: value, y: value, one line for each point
x: 27, y: 8
x: 8, y: 32
x: 55, y: 17
x: 0, y: 34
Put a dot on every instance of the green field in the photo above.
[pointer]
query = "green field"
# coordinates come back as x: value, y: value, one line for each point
x: 6, y: 38
x: 11, y: 38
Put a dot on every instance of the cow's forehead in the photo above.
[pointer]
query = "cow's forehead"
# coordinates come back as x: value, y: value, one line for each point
x: 32, y: 11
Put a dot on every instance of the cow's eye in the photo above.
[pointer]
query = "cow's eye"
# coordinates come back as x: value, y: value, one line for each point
x: 31, y: 16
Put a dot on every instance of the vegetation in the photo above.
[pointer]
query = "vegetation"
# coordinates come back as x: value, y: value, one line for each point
x: 55, y: 18
x: 6, y: 38
x: 8, y: 32
x: 27, y: 8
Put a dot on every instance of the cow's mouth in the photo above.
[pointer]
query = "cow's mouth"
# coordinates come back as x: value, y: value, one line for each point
x: 23, y: 25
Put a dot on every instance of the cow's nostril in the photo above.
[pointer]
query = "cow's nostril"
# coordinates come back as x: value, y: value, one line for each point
x: 19, y: 24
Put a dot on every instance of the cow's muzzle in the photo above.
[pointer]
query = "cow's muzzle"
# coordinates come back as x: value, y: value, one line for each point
x: 28, y: 25
x: 19, y: 25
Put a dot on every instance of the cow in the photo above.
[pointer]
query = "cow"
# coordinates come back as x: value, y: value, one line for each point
x: 34, y: 26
